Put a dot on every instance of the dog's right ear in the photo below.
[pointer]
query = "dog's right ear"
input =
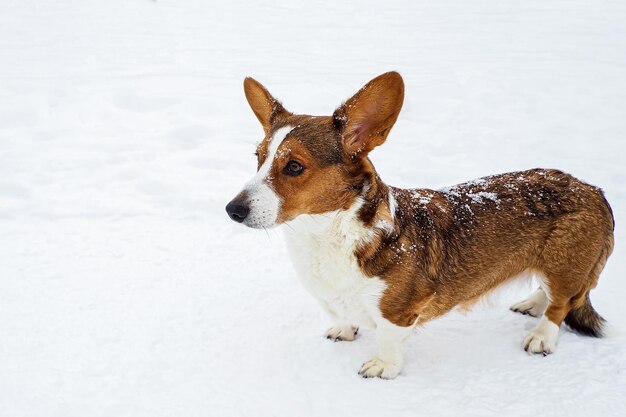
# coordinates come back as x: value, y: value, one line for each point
x: 367, y: 117
x: 265, y: 107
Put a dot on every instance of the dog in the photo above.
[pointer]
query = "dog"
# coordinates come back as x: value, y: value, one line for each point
x: 392, y: 259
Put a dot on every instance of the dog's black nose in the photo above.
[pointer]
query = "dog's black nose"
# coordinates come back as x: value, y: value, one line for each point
x: 237, y: 211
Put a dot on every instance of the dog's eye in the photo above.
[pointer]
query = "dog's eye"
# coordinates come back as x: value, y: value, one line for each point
x: 293, y: 168
x: 256, y: 154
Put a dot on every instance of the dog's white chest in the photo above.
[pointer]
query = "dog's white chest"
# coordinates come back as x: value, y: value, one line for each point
x: 322, y: 251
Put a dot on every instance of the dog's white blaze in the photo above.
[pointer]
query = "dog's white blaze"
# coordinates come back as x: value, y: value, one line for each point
x: 275, y: 142
x: 263, y: 201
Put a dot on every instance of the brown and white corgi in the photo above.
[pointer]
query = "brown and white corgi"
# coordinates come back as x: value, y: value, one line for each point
x: 393, y: 258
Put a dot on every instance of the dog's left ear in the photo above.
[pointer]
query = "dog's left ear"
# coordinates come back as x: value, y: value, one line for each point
x: 367, y: 117
x: 265, y: 107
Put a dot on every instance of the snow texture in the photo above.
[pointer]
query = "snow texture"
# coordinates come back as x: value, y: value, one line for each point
x: 125, y: 290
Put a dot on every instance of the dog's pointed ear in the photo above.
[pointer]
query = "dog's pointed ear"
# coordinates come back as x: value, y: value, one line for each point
x: 265, y: 107
x: 367, y: 117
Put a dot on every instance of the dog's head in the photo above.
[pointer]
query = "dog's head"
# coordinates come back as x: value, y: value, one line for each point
x: 314, y: 164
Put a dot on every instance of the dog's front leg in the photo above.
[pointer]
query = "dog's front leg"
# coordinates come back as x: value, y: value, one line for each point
x: 390, y: 359
x: 341, y: 330
x: 342, y: 333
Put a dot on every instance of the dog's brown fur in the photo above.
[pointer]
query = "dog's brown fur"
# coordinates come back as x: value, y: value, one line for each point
x: 442, y: 248
x: 475, y: 236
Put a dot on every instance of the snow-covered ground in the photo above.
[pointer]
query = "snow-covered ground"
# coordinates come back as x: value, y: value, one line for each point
x: 125, y: 290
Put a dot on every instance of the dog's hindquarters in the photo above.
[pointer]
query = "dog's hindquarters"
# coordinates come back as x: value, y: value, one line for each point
x: 573, y: 258
x: 583, y: 318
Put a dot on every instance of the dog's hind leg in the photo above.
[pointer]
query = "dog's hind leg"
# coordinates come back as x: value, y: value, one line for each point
x: 571, y: 261
x: 543, y: 338
x: 534, y: 305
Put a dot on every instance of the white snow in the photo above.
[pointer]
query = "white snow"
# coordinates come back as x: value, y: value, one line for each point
x: 125, y: 290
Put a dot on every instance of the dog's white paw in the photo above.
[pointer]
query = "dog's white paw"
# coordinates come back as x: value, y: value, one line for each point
x: 376, y: 367
x: 342, y: 333
x: 542, y: 339
x: 534, y: 305
x: 527, y: 307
